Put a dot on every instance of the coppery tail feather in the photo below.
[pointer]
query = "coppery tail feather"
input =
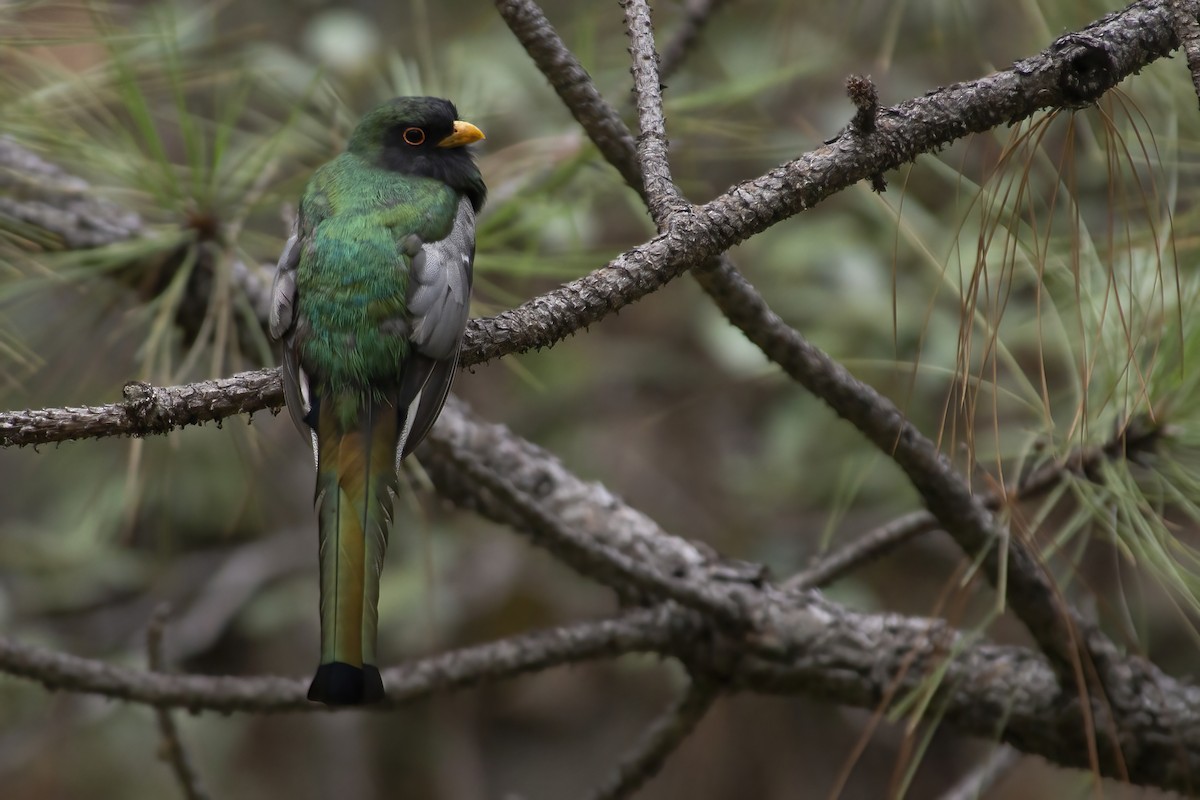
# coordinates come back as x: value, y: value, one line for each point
x: 356, y: 482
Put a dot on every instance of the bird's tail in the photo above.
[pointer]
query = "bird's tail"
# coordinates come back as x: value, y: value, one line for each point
x: 356, y: 481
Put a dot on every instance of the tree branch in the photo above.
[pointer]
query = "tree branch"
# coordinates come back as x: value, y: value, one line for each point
x: 61, y: 208
x: 662, y: 198
x: 573, y: 84
x: 173, y: 751
x: 848, y: 658
x: 661, y: 739
x: 1074, y: 71
x: 643, y: 630
x: 1029, y: 590
x: 797, y: 642
x: 808, y: 645
x: 696, y: 15
x: 1138, y: 437
x: 146, y: 410
x: 1187, y: 28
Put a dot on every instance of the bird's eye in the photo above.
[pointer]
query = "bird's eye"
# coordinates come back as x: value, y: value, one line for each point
x: 414, y: 136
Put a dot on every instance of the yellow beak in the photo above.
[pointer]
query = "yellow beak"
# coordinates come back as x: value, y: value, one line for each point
x: 464, y: 133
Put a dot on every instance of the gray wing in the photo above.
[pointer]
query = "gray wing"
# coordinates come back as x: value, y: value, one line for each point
x: 282, y: 325
x: 439, y: 302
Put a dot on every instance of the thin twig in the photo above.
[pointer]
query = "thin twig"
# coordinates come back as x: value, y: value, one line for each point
x: 1137, y: 437
x: 230, y: 587
x: 863, y: 550
x: 599, y: 120
x: 659, y: 741
x: 638, y: 631
x: 975, y: 784
x: 173, y: 751
x: 662, y: 198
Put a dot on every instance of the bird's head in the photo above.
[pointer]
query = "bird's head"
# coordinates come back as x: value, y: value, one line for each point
x: 421, y: 136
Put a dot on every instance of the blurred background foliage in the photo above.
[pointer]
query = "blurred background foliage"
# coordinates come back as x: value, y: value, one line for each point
x: 1019, y: 294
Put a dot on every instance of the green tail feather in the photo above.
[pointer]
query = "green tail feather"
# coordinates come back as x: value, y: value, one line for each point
x: 356, y: 480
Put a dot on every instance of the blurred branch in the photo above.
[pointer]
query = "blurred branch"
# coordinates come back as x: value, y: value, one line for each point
x: 684, y: 575
x: 63, y: 207
x: 872, y: 545
x: 485, y: 468
x: 661, y: 739
x: 173, y: 751
x: 230, y: 588
x: 975, y: 784
x: 696, y: 15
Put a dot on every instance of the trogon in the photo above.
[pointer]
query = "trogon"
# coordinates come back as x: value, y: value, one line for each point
x: 370, y: 301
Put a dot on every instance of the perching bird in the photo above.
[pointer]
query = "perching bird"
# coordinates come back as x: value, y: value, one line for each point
x: 370, y: 299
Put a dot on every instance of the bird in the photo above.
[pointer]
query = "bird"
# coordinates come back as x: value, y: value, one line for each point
x: 369, y: 304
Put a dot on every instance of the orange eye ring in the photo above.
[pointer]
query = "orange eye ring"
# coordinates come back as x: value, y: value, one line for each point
x: 414, y: 136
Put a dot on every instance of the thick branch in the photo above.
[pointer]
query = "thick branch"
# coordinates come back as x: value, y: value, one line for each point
x: 61, y: 208
x: 957, y: 510
x: 851, y: 659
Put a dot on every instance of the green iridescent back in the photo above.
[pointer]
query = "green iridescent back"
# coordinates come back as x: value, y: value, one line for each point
x: 352, y: 277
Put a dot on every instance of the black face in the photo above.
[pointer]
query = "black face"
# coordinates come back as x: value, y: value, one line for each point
x: 410, y: 145
x: 432, y: 121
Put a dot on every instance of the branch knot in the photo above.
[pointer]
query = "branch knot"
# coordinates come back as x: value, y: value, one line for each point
x: 1088, y: 70
x: 145, y: 408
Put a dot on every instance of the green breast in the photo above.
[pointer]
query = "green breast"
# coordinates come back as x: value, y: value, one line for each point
x: 353, y: 274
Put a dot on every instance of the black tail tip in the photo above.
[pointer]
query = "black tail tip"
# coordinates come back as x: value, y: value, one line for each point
x: 340, y: 684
